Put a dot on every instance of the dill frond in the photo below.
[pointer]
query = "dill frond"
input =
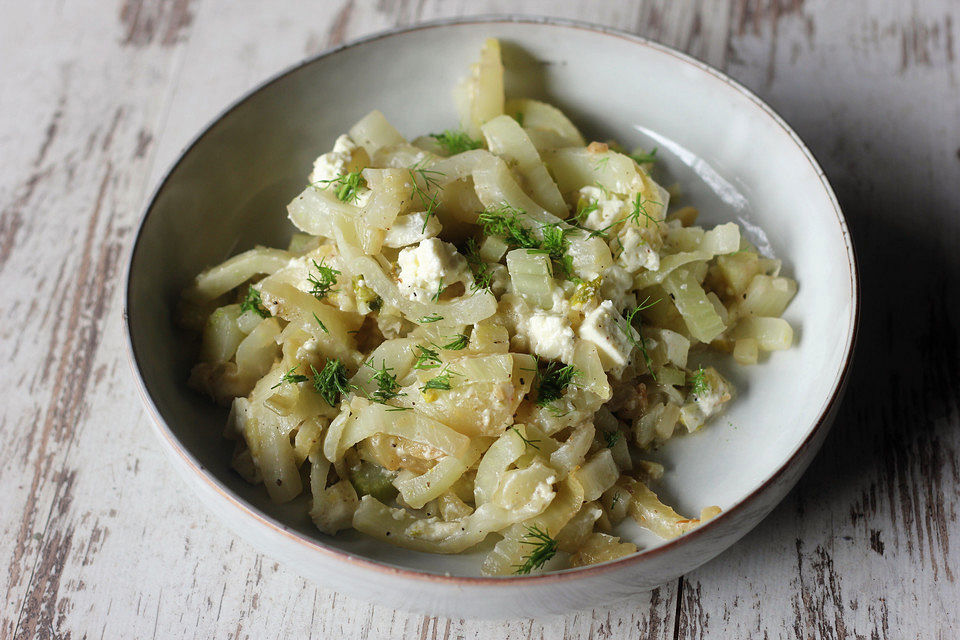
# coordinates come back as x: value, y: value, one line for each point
x: 253, y: 303
x: 320, y: 322
x: 331, y: 382
x: 291, y: 377
x: 645, y: 158
x: 323, y: 282
x: 641, y: 343
x: 506, y: 222
x: 554, y: 380
x: 698, y: 382
x: 429, y: 194
x: 441, y: 381
x: 454, y: 142
x: 543, y: 549
x: 458, y: 342
x: 427, y: 358
x: 640, y: 211
x: 348, y: 185
x: 482, y: 277
x: 527, y: 441
x: 387, y: 385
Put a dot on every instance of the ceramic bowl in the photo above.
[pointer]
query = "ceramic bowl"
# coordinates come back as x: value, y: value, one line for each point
x: 735, y: 159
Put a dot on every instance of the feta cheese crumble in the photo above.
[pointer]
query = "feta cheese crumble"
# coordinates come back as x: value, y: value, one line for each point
x: 600, y: 327
x: 610, y: 207
x: 550, y: 336
x: 635, y: 250
x: 331, y: 165
x: 715, y: 394
x: 708, y: 402
x: 336, y: 163
x: 617, y: 285
x: 430, y: 265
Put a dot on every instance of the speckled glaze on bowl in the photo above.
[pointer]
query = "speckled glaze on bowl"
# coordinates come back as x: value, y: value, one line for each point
x: 736, y: 160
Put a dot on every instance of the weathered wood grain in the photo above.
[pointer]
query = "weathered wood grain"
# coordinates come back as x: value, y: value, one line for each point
x: 100, y: 539
x: 70, y: 189
x: 868, y: 544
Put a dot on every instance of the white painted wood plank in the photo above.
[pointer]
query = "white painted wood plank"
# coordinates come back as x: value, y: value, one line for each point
x: 862, y: 548
x: 101, y: 539
x: 76, y: 135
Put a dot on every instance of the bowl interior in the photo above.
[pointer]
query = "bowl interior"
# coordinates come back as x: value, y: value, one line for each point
x: 732, y: 159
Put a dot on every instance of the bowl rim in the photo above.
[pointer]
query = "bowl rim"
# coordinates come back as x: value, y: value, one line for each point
x: 821, y: 424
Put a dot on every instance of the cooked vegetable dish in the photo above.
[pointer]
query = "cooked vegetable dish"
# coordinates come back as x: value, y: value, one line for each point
x: 478, y: 334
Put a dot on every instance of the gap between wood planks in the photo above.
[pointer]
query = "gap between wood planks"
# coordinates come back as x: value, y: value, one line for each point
x: 676, y: 615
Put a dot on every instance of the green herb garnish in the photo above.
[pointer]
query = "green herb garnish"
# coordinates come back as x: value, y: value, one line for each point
x: 699, y: 384
x: 291, y: 377
x: 433, y: 317
x: 454, y: 142
x: 619, y: 245
x: 482, y: 276
x: 584, y: 209
x: 253, y: 303
x: 603, y: 232
x: 348, y: 185
x: 526, y: 441
x: 322, y: 283
x: 331, y: 381
x: 553, y: 382
x: 427, y: 358
x: 459, y: 342
x: 645, y: 158
x: 518, y: 116
x: 611, y: 438
x: 429, y: 201
x: 441, y: 382
x: 320, y: 322
x: 640, y: 210
x: 440, y: 288
x: 544, y: 548
x: 641, y: 343
x: 387, y: 385
x: 506, y: 223
x: 555, y: 245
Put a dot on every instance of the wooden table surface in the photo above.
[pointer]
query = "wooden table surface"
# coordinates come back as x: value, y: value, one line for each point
x: 100, y: 539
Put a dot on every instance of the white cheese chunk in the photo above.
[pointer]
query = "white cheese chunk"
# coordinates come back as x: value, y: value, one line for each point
x: 430, y: 265
x: 708, y: 402
x: 610, y: 207
x: 715, y: 394
x: 616, y: 286
x: 331, y: 165
x: 635, y: 252
x: 334, y: 164
x: 550, y: 336
x: 600, y: 327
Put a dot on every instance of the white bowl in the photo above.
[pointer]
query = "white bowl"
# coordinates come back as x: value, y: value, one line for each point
x: 736, y: 160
